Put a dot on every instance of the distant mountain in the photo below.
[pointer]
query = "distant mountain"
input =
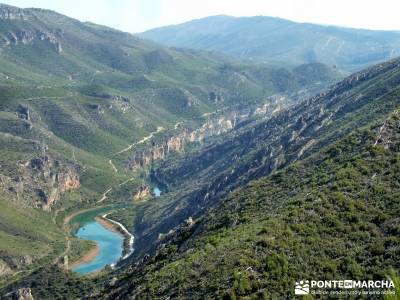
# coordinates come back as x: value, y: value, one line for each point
x: 277, y: 40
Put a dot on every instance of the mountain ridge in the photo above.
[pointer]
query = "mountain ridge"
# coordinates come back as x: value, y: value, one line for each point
x: 277, y: 40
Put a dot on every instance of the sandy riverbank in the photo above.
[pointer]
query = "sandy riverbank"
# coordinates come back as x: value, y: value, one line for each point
x: 92, y: 253
x: 87, y: 258
x: 119, y: 228
x: 109, y: 225
x: 69, y: 217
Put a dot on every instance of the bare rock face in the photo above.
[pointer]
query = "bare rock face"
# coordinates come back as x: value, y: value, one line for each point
x: 68, y: 181
x: 26, y: 35
x: 4, y: 269
x: 13, y: 13
x: 142, y: 194
x: 64, y: 182
x: 191, y: 100
x: 156, y: 152
x: 21, y: 294
x: 40, y: 182
x: 23, y: 112
x: 189, y: 222
x: 177, y: 143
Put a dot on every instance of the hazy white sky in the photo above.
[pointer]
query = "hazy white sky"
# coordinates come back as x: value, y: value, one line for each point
x: 139, y: 15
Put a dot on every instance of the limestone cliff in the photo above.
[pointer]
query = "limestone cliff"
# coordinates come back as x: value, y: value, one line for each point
x: 13, y: 13
x: 20, y: 294
x: 39, y: 182
x: 143, y: 193
x: 213, y: 127
x: 156, y: 151
x: 24, y: 34
x: 4, y: 268
x: 64, y: 181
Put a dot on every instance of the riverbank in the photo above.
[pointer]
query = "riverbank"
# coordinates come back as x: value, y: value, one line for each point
x: 90, y: 255
x: 121, y: 229
x: 68, y: 218
x: 87, y: 258
x: 108, y: 225
x: 99, y: 215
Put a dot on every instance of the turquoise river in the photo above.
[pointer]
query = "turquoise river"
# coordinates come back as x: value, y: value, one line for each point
x: 110, y: 243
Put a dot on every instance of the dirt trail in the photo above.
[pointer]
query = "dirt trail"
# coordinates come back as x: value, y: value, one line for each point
x: 66, y: 237
x: 113, y: 166
x: 104, y: 196
x: 126, y: 181
x: 46, y: 97
x: 146, y: 138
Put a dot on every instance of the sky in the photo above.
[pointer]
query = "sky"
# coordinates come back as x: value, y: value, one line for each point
x: 139, y: 15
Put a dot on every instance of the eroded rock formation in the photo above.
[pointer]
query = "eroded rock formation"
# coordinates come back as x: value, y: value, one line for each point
x: 13, y: 13
x: 20, y: 294
x: 26, y: 34
x: 40, y: 181
x: 4, y: 268
x: 156, y: 151
x: 143, y: 193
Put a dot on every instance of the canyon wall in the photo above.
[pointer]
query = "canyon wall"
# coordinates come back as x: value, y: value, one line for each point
x: 156, y: 151
x: 26, y: 35
x: 40, y: 182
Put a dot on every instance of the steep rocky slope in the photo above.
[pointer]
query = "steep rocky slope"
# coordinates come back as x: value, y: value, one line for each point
x: 200, y: 179
x: 333, y: 215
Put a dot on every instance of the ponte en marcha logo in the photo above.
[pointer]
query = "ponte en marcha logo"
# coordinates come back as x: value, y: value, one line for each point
x: 355, y: 287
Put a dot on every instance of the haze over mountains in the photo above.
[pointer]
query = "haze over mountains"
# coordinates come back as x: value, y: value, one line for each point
x: 273, y: 165
x: 281, y: 41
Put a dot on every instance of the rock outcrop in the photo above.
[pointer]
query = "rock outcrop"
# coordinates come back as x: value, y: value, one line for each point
x: 4, y: 269
x: 68, y: 181
x: 40, y: 181
x: 26, y: 35
x: 20, y: 294
x: 177, y: 143
x: 64, y: 182
x: 23, y: 112
x: 13, y: 13
x: 142, y: 194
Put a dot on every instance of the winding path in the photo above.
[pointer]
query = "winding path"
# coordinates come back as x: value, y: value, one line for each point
x: 104, y: 196
x: 113, y: 166
x: 146, y: 138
